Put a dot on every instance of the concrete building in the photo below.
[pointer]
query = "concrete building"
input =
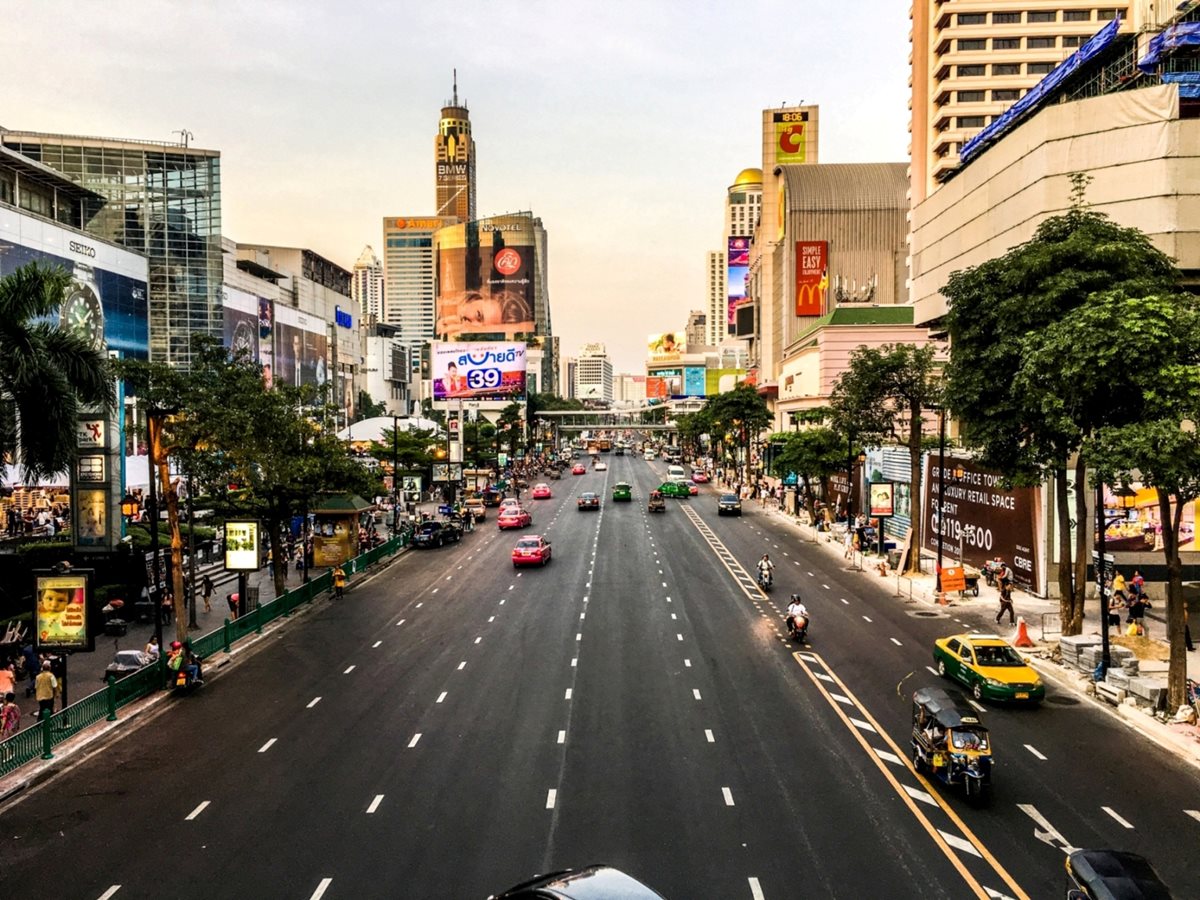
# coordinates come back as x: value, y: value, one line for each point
x: 727, y: 268
x: 454, y: 161
x: 387, y: 371
x: 594, y: 374
x: 972, y: 59
x: 367, y: 286
x: 567, y: 367
x: 629, y: 390
x: 715, y: 288
x: 697, y: 330
x: 158, y: 199
x: 409, y: 286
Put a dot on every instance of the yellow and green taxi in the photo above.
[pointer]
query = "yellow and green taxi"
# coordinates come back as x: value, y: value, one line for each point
x: 622, y: 491
x: 990, y: 667
x: 674, y: 489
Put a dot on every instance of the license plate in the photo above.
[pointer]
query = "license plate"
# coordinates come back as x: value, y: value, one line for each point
x: 1022, y: 695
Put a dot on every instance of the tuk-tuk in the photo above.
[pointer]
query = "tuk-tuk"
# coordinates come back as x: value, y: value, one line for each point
x: 657, y: 502
x: 1112, y: 875
x: 950, y: 743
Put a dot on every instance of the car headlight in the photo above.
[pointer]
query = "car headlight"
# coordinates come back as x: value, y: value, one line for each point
x: 993, y: 682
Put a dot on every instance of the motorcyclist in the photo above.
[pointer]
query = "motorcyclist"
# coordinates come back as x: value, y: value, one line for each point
x: 765, y: 569
x: 179, y: 659
x: 796, y: 609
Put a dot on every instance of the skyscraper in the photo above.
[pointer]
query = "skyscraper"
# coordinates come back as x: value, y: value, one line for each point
x: 727, y: 269
x: 454, y: 157
x: 367, y: 286
x: 408, y: 278
x: 594, y: 374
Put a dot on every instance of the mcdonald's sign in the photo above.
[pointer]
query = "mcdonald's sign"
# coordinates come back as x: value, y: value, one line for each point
x: 812, y: 277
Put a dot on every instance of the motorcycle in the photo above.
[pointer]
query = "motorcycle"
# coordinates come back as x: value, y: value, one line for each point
x: 765, y: 579
x: 183, y: 681
x: 797, y: 627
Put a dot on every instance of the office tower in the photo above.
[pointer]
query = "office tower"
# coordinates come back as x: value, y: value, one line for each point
x: 409, y: 287
x: 454, y: 158
x: 159, y: 199
x: 727, y: 269
x: 714, y: 285
x: 594, y: 374
x: 367, y: 286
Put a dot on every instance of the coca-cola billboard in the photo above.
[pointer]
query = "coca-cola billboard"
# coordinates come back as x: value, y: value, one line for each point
x: 984, y: 518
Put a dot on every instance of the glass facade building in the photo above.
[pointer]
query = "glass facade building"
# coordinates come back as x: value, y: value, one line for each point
x: 159, y: 199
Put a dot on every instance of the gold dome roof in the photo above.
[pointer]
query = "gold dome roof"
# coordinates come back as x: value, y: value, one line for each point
x: 748, y: 176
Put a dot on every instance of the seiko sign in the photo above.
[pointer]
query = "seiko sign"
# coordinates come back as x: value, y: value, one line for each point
x: 81, y: 249
x: 509, y: 226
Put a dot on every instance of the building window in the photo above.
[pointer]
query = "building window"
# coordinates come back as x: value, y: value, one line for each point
x: 971, y: 19
x: 1107, y: 15
x: 972, y: 45
x: 1006, y: 95
x: 1077, y: 15
x: 1040, y: 68
x: 969, y: 71
x: 1006, y: 69
x: 1041, y: 43
x: 1073, y: 40
x: 1047, y: 16
x: 1006, y: 18
x: 969, y: 96
x: 1006, y: 43
x: 970, y: 121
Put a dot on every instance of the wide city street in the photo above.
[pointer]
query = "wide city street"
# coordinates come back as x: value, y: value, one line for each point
x: 454, y: 726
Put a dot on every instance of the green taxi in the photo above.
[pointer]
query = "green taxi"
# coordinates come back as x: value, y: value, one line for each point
x: 990, y: 667
x: 622, y: 491
x: 674, y: 489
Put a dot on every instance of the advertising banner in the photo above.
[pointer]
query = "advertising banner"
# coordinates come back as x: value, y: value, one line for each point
x: 61, y: 614
x: 737, y: 265
x: 486, y: 275
x: 242, y: 553
x: 333, y: 542
x: 478, y: 371
x: 718, y: 381
x: 881, y: 497
x: 447, y: 472
x: 301, y: 348
x: 791, y: 137
x: 669, y: 345
x: 694, y: 381
x: 241, y: 323
x: 1133, y: 525
x: 987, y: 520
x: 663, y: 384
x: 812, y: 277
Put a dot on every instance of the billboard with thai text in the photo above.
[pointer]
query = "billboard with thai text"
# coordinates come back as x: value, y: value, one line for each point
x: 478, y: 370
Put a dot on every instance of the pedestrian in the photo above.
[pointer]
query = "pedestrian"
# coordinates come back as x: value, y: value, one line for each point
x: 152, y: 649
x: 1119, y: 584
x: 1137, y: 584
x: 1115, y: 607
x: 168, y: 608
x: 31, y: 667
x: 1137, y: 613
x: 206, y: 588
x: 8, y: 679
x: 46, y: 688
x: 849, y: 542
x: 232, y: 600
x: 1004, y: 580
x: 10, y: 716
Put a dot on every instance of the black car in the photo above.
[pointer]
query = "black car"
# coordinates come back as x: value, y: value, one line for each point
x: 590, y: 883
x: 435, y: 534
x: 588, y: 500
x: 729, y: 503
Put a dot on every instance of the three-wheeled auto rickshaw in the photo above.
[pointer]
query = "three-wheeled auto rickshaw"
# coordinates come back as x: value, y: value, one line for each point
x: 950, y: 743
x: 1112, y: 875
x: 657, y: 502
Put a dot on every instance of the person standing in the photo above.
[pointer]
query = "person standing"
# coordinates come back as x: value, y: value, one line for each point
x: 168, y: 607
x: 46, y: 688
x: 339, y: 581
x: 206, y: 589
x: 8, y: 679
x: 1004, y: 580
x: 152, y: 649
x: 1137, y: 613
x: 10, y: 716
x: 232, y: 601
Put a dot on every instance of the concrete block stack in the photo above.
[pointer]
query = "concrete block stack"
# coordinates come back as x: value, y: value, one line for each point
x: 1071, y: 647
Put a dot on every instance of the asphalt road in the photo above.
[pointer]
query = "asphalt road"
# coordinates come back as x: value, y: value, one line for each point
x: 454, y: 726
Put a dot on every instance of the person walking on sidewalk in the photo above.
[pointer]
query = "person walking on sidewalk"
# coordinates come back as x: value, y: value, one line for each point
x: 1004, y: 580
x: 8, y: 679
x: 10, y: 716
x: 46, y: 688
x: 339, y: 581
x: 167, y: 608
x: 206, y: 589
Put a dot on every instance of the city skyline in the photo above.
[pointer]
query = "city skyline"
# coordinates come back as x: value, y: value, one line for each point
x: 622, y: 145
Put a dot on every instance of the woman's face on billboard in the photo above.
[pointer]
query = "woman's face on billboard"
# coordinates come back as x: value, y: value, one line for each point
x: 480, y: 310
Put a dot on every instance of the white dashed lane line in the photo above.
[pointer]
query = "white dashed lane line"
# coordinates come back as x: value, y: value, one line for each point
x: 1035, y: 752
x: 462, y: 665
x: 551, y: 798
x: 708, y: 736
x: 376, y: 645
x: 416, y: 737
x: 401, y: 622
x: 321, y: 889
x: 896, y: 642
x: 844, y: 600
x: 562, y: 737
x: 568, y: 695
x: 441, y: 696
x: 728, y: 795
x: 112, y: 890
x: 866, y: 618
x: 1194, y: 813
x: 267, y: 746
x: 687, y: 663
x: 696, y: 693
x: 1122, y: 822
x: 349, y: 669
x: 199, y: 809
x: 756, y: 891
x: 375, y: 804
x: 313, y: 702
x: 931, y: 670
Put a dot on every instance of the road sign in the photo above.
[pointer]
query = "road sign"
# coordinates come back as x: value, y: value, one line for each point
x: 954, y: 578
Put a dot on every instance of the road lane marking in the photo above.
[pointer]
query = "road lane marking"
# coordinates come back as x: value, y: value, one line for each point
x: 478, y: 639
x: 375, y: 804
x: 448, y: 577
x: 491, y: 619
x: 578, y: 636
x: 267, y: 746
x: 841, y: 698
x: 865, y: 726
x: 112, y: 890
x: 825, y: 586
x: 511, y: 586
x: 1045, y: 832
x: 582, y: 615
x: 958, y: 843
x: 199, y: 809
x: 810, y: 574
x: 673, y: 616
x: 1034, y: 751
x: 401, y: 622
x: 575, y: 662
x: 1113, y: 813
x: 1194, y: 813
x: 348, y: 670
x: 896, y: 642
x: 376, y: 644
x: 462, y: 665
x: 679, y: 636
x: 978, y: 706
x: 688, y: 663
x: 501, y: 602
x: 568, y: 696
x: 866, y: 618
x: 756, y: 890
x: 321, y: 889
x: 890, y: 757
x: 313, y: 702
x: 708, y: 736
x: 441, y: 697
x: 823, y: 677
x: 728, y: 794
x: 932, y: 670
x: 551, y: 798
x: 844, y: 600
x: 416, y: 737
x: 918, y: 794
x: 808, y: 657
x: 664, y: 584
x: 696, y: 693
x: 562, y: 737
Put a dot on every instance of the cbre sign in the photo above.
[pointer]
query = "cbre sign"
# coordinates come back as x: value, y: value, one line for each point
x: 343, y: 318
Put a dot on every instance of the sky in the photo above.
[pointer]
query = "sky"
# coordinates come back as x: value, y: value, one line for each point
x: 619, y: 124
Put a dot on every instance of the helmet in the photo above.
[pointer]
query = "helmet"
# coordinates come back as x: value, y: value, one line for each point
x: 795, y: 598
x: 175, y: 645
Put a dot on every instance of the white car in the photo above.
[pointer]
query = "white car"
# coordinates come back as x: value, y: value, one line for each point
x: 509, y: 501
x: 601, y: 467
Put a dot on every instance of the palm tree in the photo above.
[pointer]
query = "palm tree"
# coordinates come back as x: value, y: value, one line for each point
x: 46, y: 373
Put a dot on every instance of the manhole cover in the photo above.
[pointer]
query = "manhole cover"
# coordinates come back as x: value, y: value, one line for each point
x: 1062, y: 700
x: 928, y: 614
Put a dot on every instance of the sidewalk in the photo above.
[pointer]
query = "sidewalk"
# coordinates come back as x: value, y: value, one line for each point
x: 1041, y: 616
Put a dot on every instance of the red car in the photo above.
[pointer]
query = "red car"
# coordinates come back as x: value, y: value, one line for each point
x: 578, y: 469
x: 542, y: 492
x: 513, y: 517
x: 532, y: 550
x: 699, y: 477
x: 693, y: 490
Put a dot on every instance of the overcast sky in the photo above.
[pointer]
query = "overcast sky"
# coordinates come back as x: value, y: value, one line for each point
x: 620, y: 124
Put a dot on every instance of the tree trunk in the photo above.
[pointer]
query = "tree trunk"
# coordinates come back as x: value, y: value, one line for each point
x: 808, y: 500
x: 277, y: 576
x: 1177, y: 667
x: 915, y: 426
x: 154, y: 432
x: 1066, y: 585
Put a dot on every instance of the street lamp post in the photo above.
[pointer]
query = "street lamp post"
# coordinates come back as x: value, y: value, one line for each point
x: 395, y: 474
x: 941, y: 491
x: 1105, y: 658
x: 155, y: 600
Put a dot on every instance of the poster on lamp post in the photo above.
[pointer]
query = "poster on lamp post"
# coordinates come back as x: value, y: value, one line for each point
x: 60, y: 615
x: 242, y: 553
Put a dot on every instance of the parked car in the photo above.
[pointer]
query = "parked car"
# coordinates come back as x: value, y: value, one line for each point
x: 125, y: 662
x: 729, y: 504
x: 435, y: 534
x: 531, y: 550
x: 588, y: 500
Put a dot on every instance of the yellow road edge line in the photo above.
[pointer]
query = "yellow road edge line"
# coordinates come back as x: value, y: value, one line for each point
x: 954, y: 817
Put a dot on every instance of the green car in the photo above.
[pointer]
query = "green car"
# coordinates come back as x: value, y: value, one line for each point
x: 674, y: 489
x: 622, y: 491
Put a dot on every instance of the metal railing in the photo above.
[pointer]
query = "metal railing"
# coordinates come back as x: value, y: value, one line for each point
x: 38, y: 741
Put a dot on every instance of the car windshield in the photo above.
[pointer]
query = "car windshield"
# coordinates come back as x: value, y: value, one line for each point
x: 526, y: 545
x: 728, y: 498
x: 1001, y: 655
x: 429, y: 527
x: 968, y: 739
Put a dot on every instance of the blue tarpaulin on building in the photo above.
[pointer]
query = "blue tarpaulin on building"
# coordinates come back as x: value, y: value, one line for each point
x: 1184, y: 34
x: 1038, y: 94
x: 1189, y: 83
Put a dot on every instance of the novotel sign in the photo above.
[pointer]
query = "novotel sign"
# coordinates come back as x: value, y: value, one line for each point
x: 342, y: 317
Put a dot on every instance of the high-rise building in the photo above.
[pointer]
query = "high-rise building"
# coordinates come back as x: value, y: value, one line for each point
x: 715, y: 285
x: 972, y: 59
x: 566, y: 376
x: 367, y: 286
x: 409, y: 289
x: 594, y: 374
x: 727, y: 272
x: 159, y: 199
x: 697, y: 330
x: 454, y: 158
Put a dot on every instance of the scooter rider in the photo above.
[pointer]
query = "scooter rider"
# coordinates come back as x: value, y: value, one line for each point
x: 796, y: 609
x: 766, y: 569
x: 180, y: 659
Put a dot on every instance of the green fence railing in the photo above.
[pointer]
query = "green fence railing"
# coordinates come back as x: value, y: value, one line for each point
x: 38, y: 741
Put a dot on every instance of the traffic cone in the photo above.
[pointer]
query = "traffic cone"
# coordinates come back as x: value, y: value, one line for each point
x: 1022, y: 638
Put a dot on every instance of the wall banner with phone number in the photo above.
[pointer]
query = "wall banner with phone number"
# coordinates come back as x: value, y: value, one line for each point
x: 989, y: 520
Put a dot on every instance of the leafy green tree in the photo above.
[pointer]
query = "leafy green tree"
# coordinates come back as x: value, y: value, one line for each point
x: 47, y: 373
x: 738, y: 416
x: 814, y: 454
x: 998, y: 313
x: 366, y: 408
x: 509, y: 426
x: 691, y: 427
x: 884, y: 394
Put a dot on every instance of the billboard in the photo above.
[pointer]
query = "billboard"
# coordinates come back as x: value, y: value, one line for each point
x: 791, y: 136
x: 668, y: 345
x: 718, y: 381
x: 986, y: 519
x: 242, y: 553
x: 694, y: 381
x: 61, y: 615
x: 881, y: 498
x: 107, y: 302
x: 812, y: 277
x: 663, y: 384
x: 301, y: 348
x: 486, y: 275
x: 478, y: 370
x: 736, y: 267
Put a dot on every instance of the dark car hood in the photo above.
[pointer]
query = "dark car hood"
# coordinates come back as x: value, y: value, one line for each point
x: 592, y: 883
